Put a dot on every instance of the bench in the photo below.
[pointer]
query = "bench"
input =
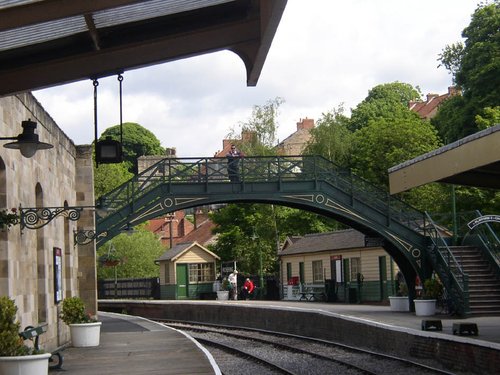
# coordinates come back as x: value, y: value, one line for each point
x: 33, y: 334
x: 312, y: 292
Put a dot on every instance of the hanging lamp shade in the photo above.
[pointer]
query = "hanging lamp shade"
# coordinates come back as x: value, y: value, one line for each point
x: 27, y: 142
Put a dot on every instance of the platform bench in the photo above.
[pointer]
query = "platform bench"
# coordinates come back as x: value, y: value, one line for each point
x: 465, y: 329
x: 33, y: 334
x: 432, y: 325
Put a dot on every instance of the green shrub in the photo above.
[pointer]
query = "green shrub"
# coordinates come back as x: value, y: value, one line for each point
x: 10, y: 342
x: 73, y: 311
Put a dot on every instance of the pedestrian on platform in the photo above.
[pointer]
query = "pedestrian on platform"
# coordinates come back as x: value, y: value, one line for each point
x: 233, y: 280
x: 247, y: 289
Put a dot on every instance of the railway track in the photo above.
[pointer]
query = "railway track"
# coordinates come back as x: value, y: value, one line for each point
x: 240, y: 350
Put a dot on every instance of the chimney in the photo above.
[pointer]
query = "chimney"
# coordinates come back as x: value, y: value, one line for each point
x: 247, y: 136
x: 453, y: 90
x: 307, y: 123
x: 431, y: 96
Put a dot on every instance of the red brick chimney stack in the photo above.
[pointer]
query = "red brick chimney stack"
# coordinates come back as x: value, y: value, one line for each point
x: 307, y: 123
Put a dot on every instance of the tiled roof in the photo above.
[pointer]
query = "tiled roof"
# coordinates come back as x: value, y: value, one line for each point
x: 311, y: 243
x: 180, y: 249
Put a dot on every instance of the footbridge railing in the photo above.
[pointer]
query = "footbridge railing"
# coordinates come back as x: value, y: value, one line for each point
x: 170, y: 171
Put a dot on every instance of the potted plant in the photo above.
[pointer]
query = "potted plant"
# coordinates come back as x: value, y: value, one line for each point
x: 223, y: 293
x: 15, y: 356
x: 400, y: 301
x: 111, y: 258
x: 85, y: 330
x: 433, y: 290
x: 8, y: 218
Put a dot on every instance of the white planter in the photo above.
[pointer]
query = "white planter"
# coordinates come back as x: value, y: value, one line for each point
x: 86, y: 334
x: 222, y: 295
x: 425, y: 307
x: 399, y: 303
x: 25, y: 365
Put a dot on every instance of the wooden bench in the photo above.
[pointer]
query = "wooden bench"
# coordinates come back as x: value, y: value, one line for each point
x: 33, y: 334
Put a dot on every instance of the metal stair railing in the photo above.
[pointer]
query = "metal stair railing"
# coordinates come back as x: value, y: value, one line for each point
x: 484, y: 237
x: 448, y: 268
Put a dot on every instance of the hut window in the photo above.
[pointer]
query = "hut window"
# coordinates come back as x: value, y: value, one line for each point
x: 317, y: 267
x: 355, y: 268
x: 201, y: 272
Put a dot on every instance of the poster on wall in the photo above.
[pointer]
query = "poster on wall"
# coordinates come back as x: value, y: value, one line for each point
x: 57, y: 275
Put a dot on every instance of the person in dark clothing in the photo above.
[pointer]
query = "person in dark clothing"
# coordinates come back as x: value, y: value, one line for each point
x: 233, y: 164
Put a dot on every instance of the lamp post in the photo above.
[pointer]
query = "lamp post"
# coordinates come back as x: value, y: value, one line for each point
x: 256, y: 239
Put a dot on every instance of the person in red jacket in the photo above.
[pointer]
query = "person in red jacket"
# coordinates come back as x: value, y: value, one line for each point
x: 248, y: 288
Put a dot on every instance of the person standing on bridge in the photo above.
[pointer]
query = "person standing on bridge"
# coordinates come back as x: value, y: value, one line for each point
x: 233, y: 164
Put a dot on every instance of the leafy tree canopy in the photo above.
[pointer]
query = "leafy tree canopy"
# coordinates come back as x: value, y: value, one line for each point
x: 109, y: 176
x: 475, y: 66
x: 331, y: 137
x: 137, y: 252
x: 137, y: 141
x: 263, y: 125
x: 385, y: 101
x: 384, y: 143
x: 248, y: 231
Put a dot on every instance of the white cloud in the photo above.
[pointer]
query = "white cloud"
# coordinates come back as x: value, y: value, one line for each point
x: 324, y: 53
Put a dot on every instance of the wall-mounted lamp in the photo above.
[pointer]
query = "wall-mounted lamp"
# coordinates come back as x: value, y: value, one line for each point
x: 27, y: 142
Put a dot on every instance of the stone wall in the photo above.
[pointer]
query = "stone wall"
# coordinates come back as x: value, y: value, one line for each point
x: 51, y: 178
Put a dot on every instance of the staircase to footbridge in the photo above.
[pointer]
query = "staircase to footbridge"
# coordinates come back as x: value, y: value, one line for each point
x: 309, y: 183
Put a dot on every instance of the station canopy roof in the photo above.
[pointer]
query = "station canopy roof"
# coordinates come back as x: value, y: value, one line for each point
x: 470, y: 161
x: 45, y: 43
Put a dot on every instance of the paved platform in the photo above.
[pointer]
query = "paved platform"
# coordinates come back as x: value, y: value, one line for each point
x: 133, y: 345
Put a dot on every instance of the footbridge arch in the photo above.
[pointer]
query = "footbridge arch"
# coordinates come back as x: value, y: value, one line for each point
x: 306, y: 182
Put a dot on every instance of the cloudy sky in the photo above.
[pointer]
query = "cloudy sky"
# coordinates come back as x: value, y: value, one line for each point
x: 325, y: 53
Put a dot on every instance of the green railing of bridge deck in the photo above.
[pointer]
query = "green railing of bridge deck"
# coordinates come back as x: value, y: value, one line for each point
x: 264, y: 169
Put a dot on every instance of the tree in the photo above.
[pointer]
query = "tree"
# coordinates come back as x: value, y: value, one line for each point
x: 475, y: 67
x: 247, y: 232
x: 137, y: 141
x: 384, y: 143
x: 109, y: 176
x: 263, y: 124
x: 137, y: 252
x: 389, y: 100
x: 331, y: 137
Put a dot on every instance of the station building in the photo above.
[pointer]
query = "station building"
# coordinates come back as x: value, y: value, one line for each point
x: 39, y: 267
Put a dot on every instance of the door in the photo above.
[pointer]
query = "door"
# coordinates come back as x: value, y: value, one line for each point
x: 182, y: 281
x: 382, y: 270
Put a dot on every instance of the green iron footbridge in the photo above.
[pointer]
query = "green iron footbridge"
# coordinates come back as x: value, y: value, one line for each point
x: 306, y: 182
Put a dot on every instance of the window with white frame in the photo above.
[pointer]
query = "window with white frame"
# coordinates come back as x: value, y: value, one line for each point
x: 201, y: 272
x: 355, y: 268
x: 317, y: 268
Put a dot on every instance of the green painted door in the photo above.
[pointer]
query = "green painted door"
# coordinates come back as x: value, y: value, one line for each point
x: 182, y: 281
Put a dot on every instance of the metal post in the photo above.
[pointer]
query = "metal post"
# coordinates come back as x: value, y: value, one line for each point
x: 454, y: 213
x: 260, y: 270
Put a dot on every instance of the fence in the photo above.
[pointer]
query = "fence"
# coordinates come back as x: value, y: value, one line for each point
x: 148, y: 288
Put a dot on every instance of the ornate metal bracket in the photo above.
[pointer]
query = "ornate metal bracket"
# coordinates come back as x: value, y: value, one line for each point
x: 35, y: 218
x: 86, y: 236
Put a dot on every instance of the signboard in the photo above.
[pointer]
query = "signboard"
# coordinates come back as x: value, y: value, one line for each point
x: 374, y: 241
x: 226, y: 268
x: 57, y: 275
x: 484, y: 219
